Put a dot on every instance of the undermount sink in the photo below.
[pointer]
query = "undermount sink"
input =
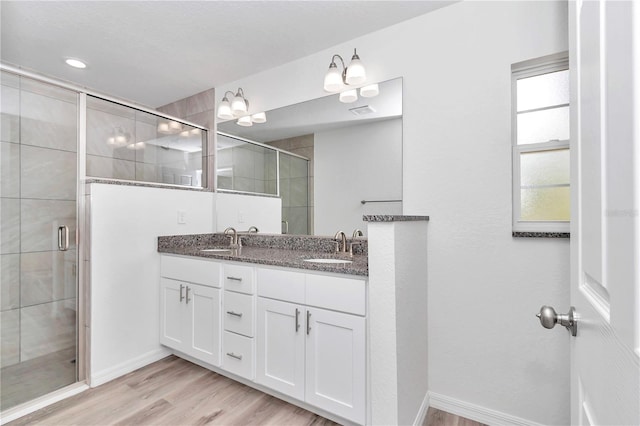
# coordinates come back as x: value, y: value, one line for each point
x: 217, y: 250
x: 334, y: 261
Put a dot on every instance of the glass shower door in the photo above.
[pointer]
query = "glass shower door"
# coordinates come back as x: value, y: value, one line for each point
x: 39, y: 139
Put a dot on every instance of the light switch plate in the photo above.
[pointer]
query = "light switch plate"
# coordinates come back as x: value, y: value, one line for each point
x: 182, y: 217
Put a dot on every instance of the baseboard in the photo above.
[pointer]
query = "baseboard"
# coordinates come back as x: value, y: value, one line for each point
x: 422, y: 412
x: 102, y: 377
x: 476, y: 412
x: 39, y: 403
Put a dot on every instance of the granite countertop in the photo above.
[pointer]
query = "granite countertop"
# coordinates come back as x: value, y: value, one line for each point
x: 269, y: 250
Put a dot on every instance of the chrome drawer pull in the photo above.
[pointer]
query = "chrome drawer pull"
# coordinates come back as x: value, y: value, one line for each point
x: 232, y: 355
x: 308, y: 322
x: 297, y: 320
x: 235, y: 314
x: 181, y: 296
x: 188, y: 295
x: 234, y: 278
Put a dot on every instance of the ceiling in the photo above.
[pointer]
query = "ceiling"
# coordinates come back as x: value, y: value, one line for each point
x: 156, y: 52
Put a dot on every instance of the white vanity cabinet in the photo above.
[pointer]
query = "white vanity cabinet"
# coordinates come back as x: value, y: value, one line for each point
x: 307, y: 350
x: 190, y: 307
x: 238, y: 346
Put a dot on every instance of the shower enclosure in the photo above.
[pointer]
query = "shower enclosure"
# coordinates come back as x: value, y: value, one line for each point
x: 54, y: 137
x: 39, y: 213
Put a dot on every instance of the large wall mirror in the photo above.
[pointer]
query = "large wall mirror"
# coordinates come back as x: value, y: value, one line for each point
x: 338, y: 161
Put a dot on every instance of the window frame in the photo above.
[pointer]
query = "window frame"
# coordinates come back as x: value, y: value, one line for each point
x: 532, y: 68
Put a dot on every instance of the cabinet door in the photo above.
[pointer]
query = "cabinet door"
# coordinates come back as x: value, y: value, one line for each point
x: 204, y: 323
x: 172, y: 313
x: 280, y: 347
x: 336, y: 363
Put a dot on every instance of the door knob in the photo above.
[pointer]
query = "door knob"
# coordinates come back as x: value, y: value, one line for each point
x: 549, y: 318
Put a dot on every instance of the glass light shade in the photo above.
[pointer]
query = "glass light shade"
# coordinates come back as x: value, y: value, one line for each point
x: 195, y: 131
x: 369, y: 91
x: 163, y: 127
x: 174, y: 125
x: 238, y: 105
x: 224, y: 110
x: 184, y: 134
x: 259, y: 117
x: 245, y: 121
x: 111, y: 140
x: 333, y: 80
x: 355, y: 72
x: 349, y: 96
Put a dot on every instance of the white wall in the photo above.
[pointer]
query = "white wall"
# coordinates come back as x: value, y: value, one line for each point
x: 361, y: 162
x: 485, y: 346
x: 125, y: 266
x: 242, y: 211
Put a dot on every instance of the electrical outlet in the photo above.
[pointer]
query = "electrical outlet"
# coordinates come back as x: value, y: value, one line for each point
x: 182, y: 217
x: 240, y: 216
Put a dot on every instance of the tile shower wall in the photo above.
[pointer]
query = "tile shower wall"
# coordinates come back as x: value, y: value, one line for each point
x: 296, y: 189
x: 125, y: 143
x: 243, y: 166
x: 38, y: 194
x: 199, y: 109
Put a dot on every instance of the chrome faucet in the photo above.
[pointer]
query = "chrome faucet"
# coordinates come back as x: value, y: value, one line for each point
x: 253, y: 229
x: 235, y: 241
x: 341, y: 240
x: 357, y: 233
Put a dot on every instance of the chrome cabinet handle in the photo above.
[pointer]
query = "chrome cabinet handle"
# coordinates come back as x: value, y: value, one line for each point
x: 308, y: 322
x: 63, y: 238
x: 181, y: 296
x: 232, y: 355
x: 549, y: 318
x: 297, y: 320
x: 235, y: 314
x: 188, y: 295
x: 234, y: 278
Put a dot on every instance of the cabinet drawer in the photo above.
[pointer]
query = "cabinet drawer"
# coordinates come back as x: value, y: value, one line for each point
x: 196, y: 271
x: 238, y: 313
x: 281, y: 285
x: 335, y: 293
x: 238, y: 278
x: 237, y: 356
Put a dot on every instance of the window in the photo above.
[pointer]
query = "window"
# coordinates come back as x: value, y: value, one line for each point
x: 540, y: 110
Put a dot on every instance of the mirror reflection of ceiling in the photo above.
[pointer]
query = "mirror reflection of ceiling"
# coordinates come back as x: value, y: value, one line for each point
x: 326, y: 113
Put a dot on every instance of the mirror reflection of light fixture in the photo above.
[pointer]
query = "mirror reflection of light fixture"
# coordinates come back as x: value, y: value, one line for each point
x: 369, y: 91
x: 245, y: 121
x: 354, y: 74
x: 259, y: 117
x: 349, y: 96
x: 238, y: 108
x: 118, y: 137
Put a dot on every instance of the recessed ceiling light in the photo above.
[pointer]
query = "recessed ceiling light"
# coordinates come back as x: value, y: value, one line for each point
x: 75, y: 63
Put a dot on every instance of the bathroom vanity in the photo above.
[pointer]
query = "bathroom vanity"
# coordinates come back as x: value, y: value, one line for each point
x: 300, y: 330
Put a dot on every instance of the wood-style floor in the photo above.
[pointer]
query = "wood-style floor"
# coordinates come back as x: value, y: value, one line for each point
x: 173, y: 391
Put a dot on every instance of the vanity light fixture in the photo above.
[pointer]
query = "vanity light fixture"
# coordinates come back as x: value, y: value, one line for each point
x: 349, y: 96
x: 238, y: 108
x: 369, y: 91
x: 245, y: 121
x: 354, y: 74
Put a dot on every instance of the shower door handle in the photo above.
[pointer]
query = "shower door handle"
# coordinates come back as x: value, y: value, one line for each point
x: 63, y: 238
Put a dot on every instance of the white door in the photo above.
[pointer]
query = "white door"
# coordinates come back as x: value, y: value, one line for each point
x: 172, y: 313
x: 204, y: 323
x: 336, y: 363
x: 280, y: 347
x: 605, y: 228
